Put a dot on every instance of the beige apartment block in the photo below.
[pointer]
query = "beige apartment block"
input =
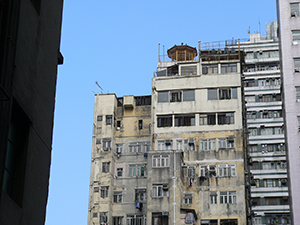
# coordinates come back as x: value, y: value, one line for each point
x: 177, y: 156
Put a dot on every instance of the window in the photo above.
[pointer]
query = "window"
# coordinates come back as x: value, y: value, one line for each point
x: 249, y: 99
x: 108, y: 119
x: 296, y: 37
x: 298, y: 94
x: 119, y: 148
x: 164, y: 121
x: 295, y: 9
x: 210, y: 69
x: 207, y: 144
x: 136, y: 220
x: 249, y: 83
x: 163, y: 96
x: 184, y: 120
x: 212, y: 94
x: 225, y: 118
x: 226, y: 143
x: 160, y: 190
x: 16, y: 154
x: 228, y: 197
x: 103, y: 217
x: 142, y: 100
x: 253, y: 148
x: 140, y: 195
x: 188, y: 70
x: 179, y: 144
x: 137, y: 170
x: 96, y: 189
x: 188, y: 199
x: 175, y: 96
x: 213, y: 197
x: 191, y: 171
x: 189, y: 144
x: 227, y: 170
x: 98, y: 141
x: 118, y: 197
x: 228, y: 68
x: 208, y: 171
x: 120, y: 102
x: 297, y: 65
x: 165, y: 145
x: 104, y: 192
x: 106, y: 144
x: 140, y: 124
x: 224, y: 93
x: 207, y: 119
x: 99, y: 118
x: 119, y: 172
x: 105, y: 167
x: 95, y: 214
x: 117, y: 220
x: 139, y: 147
x: 188, y: 95
x: 118, y: 124
x: 160, y: 161
x: 209, y: 222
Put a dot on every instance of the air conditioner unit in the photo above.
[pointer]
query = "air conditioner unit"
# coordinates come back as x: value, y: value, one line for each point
x: 191, y: 141
x: 265, y: 111
x: 106, y: 148
x: 283, y: 181
x: 260, y: 95
x: 168, y: 142
x: 165, y: 187
x: 230, y: 138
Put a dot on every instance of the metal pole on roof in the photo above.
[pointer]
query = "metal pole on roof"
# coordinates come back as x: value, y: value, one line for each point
x: 199, y: 51
x: 159, y: 52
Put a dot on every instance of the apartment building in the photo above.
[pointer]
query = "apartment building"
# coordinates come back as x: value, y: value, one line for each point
x: 177, y: 156
x: 29, y: 55
x: 289, y: 35
x: 266, y: 144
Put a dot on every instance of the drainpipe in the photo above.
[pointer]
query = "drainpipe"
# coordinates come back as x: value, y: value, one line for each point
x: 174, y: 186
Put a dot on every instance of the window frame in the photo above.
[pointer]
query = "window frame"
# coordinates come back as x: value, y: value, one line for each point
x: 118, y: 197
x: 158, y: 191
x: 160, y: 161
x: 104, y: 191
x: 105, y: 167
x: 108, y: 119
x: 188, y: 199
x: 227, y: 170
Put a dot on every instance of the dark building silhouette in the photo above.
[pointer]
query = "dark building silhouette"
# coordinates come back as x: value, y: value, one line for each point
x: 30, y: 33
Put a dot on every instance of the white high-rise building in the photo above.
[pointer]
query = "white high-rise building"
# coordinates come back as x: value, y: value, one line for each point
x: 289, y: 36
x: 266, y: 145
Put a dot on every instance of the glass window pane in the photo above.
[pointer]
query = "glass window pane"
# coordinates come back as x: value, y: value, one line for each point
x: 163, y: 96
x: 189, y: 95
x: 212, y: 94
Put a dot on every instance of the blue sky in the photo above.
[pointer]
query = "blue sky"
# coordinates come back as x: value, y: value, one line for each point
x: 116, y: 43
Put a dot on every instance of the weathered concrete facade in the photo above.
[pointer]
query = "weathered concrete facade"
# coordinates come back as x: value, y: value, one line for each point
x: 182, y: 148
